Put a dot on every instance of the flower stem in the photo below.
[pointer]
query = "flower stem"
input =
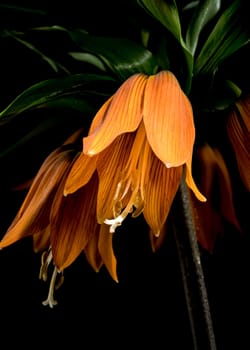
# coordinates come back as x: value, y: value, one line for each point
x: 192, y: 272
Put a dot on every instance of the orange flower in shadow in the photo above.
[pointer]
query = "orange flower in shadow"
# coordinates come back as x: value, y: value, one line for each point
x: 65, y: 226
x: 142, y: 140
x: 216, y: 185
x: 238, y: 129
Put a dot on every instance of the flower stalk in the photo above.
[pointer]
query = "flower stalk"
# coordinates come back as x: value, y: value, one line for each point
x: 192, y: 272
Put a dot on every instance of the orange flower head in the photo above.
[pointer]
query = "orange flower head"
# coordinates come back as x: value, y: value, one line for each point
x: 64, y: 226
x: 142, y: 139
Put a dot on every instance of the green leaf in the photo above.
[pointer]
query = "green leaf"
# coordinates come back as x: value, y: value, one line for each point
x: 74, y: 91
x: 56, y: 66
x: 204, y: 12
x: 167, y: 14
x: 21, y: 9
x: 228, y: 36
x: 122, y: 56
x: 88, y: 58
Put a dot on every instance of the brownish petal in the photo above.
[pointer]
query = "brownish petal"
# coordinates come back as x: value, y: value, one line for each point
x: 41, y: 240
x: 238, y: 128
x: 226, y: 192
x: 161, y: 185
x: 243, y: 106
x: 168, y: 118
x: 122, y: 114
x: 105, y: 246
x: 207, y: 221
x: 80, y: 173
x: 33, y: 216
x: 73, y: 222
x: 91, y: 251
x: 74, y: 137
x: 215, y: 183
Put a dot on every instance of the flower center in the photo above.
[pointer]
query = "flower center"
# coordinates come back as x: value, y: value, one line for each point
x: 131, y: 186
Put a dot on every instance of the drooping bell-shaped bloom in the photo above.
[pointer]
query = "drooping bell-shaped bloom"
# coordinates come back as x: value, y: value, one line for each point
x: 142, y: 139
x: 214, y: 181
x: 64, y: 226
x: 238, y: 129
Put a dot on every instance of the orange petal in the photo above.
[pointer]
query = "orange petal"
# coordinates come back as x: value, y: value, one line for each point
x: 157, y: 241
x: 33, y: 216
x: 80, y: 173
x: 110, y: 165
x: 73, y: 222
x: 122, y: 114
x: 73, y: 137
x: 41, y: 240
x: 105, y: 246
x: 168, y: 118
x: 160, y: 189
x: 92, y: 253
x: 191, y: 184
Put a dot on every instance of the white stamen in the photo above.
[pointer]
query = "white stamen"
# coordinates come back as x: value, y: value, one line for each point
x: 50, y: 299
x: 114, y: 223
x: 157, y: 233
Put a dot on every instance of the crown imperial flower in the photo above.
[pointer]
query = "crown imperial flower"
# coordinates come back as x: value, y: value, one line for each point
x: 141, y: 139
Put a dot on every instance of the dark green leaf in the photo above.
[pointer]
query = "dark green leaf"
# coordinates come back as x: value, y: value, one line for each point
x: 167, y: 14
x: 56, y: 66
x: 72, y: 91
x: 21, y: 9
x: 204, y: 12
x: 122, y: 56
x: 228, y: 36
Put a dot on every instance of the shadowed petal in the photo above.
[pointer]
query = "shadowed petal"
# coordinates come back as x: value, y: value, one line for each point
x: 168, y: 119
x: 41, y: 240
x: 73, y: 222
x: 122, y: 114
x: 105, y: 246
x: 207, y: 221
x: 216, y: 185
x: 92, y: 253
x: 243, y: 106
x: 33, y: 216
x: 226, y: 192
x: 238, y: 128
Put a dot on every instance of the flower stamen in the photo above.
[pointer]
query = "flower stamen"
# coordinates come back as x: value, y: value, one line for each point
x: 46, y: 260
x: 50, y: 299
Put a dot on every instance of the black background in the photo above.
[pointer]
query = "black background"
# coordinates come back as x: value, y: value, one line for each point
x: 147, y: 307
